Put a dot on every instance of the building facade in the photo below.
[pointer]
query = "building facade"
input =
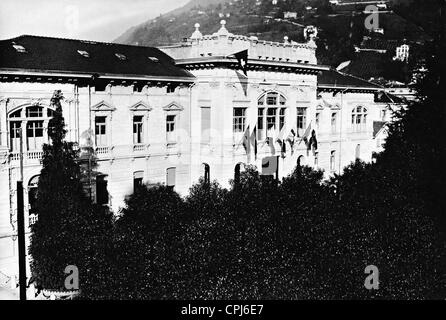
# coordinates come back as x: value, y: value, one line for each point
x: 285, y: 96
x: 203, y: 108
x: 130, y: 104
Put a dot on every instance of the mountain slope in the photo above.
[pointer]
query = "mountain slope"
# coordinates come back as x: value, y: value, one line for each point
x: 340, y: 28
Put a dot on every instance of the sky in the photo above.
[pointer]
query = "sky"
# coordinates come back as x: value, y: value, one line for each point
x: 97, y: 20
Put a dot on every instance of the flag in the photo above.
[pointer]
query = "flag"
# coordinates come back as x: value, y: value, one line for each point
x: 253, y: 141
x: 242, y: 58
x: 282, y: 144
x: 246, y: 142
x: 291, y: 139
x: 270, y: 142
x: 306, y: 135
x: 312, y: 145
x: 269, y: 166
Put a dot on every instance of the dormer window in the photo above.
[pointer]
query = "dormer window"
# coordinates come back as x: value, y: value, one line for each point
x: 120, y: 56
x: 83, y: 53
x: 19, y: 48
x: 154, y: 59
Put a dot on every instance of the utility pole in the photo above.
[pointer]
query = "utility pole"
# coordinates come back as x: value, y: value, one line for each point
x: 21, y: 225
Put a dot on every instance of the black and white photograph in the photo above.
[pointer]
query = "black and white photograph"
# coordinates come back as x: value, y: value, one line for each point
x: 206, y: 151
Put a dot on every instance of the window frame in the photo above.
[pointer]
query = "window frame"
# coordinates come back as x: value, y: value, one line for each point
x: 273, y: 116
x: 100, y: 138
x: 301, y: 118
x: 138, y: 130
x: 359, y: 117
x: 171, y: 124
x: 239, y: 120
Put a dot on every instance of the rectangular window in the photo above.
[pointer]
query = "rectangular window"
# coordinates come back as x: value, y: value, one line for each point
x: 138, y: 130
x: 170, y: 128
x: 260, y: 124
x: 318, y: 119
x: 14, y: 134
x: 301, y: 118
x: 205, y: 124
x: 333, y: 161
x: 316, y: 159
x: 238, y: 124
x: 34, y: 134
x: 334, y: 116
x: 101, y: 190
x: 170, y: 177
x: 281, y: 118
x: 138, y: 180
x: 271, y: 119
x: 100, y: 131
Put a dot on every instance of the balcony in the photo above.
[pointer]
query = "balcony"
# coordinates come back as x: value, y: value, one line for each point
x: 103, y: 152
x: 28, y: 156
x: 140, y: 148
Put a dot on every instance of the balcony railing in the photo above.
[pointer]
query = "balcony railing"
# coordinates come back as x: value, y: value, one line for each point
x: 102, y: 150
x: 35, y: 155
x: 139, y: 147
x: 29, y: 155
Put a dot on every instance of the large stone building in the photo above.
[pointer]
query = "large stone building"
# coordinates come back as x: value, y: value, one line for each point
x: 282, y: 99
x: 155, y: 119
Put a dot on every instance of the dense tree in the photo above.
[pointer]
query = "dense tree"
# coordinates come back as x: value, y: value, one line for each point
x: 148, y: 239
x: 70, y: 230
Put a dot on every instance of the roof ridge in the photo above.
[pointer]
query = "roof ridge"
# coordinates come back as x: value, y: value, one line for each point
x: 77, y: 40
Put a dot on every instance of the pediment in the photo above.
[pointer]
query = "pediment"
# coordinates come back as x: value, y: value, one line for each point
x: 140, y: 106
x: 173, y: 106
x: 103, y: 106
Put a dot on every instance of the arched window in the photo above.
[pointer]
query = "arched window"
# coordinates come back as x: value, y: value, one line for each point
x: 359, y: 118
x: 301, y: 161
x: 270, y: 115
x: 32, y: 121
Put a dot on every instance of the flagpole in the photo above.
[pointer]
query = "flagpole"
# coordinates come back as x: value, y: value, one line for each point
x: 21, y: 225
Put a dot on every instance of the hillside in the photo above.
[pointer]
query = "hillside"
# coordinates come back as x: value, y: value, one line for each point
x: 341, y: 27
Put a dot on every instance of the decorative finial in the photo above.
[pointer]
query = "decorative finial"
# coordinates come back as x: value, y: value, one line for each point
x: 223, y: 31
x: 285, y: 39
x: 197, y: 34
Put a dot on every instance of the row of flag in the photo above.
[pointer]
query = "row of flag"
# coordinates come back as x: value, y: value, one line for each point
x: 309, y: 138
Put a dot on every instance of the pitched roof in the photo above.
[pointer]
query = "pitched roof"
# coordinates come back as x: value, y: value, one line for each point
x: 333, y: 78
x: 367, y: 65
x: 86, y: 57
